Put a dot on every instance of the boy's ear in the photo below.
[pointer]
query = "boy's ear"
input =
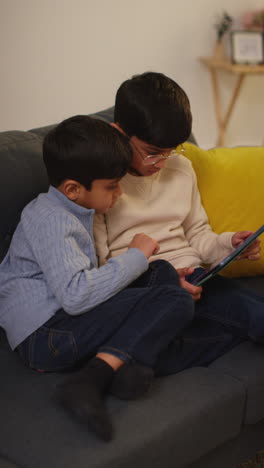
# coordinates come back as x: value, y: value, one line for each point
x: 71, y: 189
x: 117, y: 126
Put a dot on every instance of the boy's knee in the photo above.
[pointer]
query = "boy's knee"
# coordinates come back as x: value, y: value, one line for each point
x: 181, y: 300
x: 166, y: 270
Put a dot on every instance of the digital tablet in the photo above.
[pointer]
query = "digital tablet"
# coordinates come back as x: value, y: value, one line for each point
x: 207, y: 274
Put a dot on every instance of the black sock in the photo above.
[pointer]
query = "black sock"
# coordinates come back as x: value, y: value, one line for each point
x: 131, y: 381
x: 83, y: 396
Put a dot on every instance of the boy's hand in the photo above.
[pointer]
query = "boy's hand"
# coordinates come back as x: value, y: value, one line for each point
x: 146, y: 244
x: 253, y: 250
x: 195, y: 291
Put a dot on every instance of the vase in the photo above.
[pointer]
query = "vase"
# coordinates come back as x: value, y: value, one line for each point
x: 219, y: 51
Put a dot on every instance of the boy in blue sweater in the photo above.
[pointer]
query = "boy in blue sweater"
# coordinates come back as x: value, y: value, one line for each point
x: 59, y: 309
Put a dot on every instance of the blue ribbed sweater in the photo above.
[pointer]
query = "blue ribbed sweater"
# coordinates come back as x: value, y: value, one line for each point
x: 52, y: 264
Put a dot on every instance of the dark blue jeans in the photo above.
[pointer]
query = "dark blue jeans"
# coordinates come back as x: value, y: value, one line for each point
x: 226, y: 315
x: 154, y: 322
x: 135, y: 324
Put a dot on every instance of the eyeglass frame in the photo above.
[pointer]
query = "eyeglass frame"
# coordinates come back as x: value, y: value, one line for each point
x: 158, y: 157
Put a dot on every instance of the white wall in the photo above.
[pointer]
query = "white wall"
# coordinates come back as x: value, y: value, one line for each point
x: 63, y: 57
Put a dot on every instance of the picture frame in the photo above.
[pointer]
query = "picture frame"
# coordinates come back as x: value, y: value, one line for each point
x: 247, y: 47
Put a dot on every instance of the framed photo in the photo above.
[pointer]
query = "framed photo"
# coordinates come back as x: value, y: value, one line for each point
x: 247, y: 47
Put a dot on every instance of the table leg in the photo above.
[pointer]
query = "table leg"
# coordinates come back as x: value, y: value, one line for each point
x: 222, y: 121
x: 218, y: 107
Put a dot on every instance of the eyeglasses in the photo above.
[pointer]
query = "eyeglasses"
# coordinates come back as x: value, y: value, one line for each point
x: 152, y: 159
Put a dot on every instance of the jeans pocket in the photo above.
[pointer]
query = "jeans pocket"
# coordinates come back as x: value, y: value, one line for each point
x: 51, y: 350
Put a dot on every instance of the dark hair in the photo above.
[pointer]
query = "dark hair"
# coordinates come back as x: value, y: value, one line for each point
x: 85, y: 149
x: 155, y: 109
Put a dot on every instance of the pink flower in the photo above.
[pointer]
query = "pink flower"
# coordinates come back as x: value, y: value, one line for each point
x: 253, y: 20
x: 247, y: 19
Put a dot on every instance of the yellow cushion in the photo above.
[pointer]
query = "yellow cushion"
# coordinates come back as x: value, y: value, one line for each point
x: 231, y: 183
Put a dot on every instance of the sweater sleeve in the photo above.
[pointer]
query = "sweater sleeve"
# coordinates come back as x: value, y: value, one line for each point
x: 70, y: 274
x: 210, y: 246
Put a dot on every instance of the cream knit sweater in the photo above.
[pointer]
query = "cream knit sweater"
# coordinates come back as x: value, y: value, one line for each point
x: 167, y: 207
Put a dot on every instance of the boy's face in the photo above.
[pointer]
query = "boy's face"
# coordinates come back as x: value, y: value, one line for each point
x: 148, y: 159
x: 102, y: 196
x: 142, y: 164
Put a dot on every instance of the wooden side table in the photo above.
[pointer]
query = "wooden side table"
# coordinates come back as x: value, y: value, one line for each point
x: 214, y: 65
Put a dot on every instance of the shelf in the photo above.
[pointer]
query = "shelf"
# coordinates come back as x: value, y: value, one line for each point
x: 226, y: 64
x: 214, y: 65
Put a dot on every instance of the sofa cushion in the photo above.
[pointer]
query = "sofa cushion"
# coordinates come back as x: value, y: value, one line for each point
x: 232, y: 190
x: 245, y: 363
x: 107, y: 115
x: 6, y: 463
x: 161, y: 429
x: 22, y: 178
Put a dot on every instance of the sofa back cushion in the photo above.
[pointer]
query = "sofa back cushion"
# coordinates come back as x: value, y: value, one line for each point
x: 22, y: 177
x: 106, y: 115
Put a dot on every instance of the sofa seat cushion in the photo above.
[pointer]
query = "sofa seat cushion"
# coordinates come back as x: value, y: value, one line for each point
x: 6, y: 463
x: 246, y: 364
x: 183, y: 417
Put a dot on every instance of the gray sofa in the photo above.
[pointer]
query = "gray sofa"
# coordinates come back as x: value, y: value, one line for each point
x: 202, y: 417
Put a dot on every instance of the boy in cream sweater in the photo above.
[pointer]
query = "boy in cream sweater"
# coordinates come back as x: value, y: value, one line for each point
x: 161, y: 198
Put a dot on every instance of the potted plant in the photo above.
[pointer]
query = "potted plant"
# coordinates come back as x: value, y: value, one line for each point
x: 222, y: 26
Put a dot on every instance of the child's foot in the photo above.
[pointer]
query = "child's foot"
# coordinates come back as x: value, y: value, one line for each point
x: 83, y: 396
x: 131, y: 381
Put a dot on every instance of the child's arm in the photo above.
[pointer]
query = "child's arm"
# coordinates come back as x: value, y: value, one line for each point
x: 66, y: 256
